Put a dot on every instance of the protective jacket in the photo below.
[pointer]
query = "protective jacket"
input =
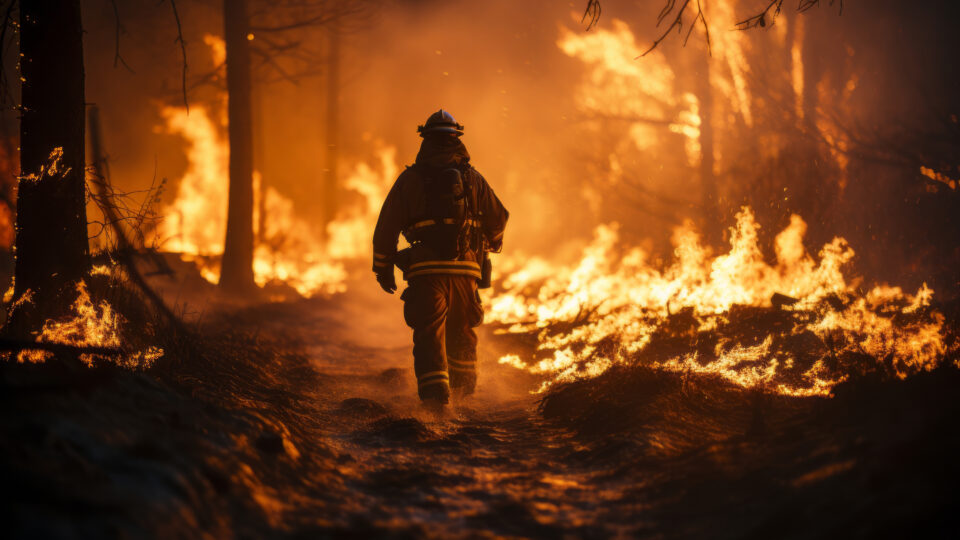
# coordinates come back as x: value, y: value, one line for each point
x: 408, y: 210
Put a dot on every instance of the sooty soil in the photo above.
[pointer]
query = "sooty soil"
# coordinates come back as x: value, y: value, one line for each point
x: 290, y: 423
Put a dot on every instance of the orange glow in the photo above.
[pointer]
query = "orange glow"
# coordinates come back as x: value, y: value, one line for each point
x: 195, y: 223
x: 939, y: 177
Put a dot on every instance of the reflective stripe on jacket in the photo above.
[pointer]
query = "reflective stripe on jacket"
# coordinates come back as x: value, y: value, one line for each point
x: 404, y: 212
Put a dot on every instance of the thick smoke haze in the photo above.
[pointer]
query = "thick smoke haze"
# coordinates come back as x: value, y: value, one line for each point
x: 813, y: 115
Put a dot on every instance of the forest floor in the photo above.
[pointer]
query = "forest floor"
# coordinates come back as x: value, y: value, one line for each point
x: 299, y: 419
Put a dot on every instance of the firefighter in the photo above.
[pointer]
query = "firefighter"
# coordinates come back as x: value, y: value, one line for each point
x: 451, y: 218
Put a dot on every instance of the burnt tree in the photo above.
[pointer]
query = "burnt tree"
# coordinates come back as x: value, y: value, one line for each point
x: 51, y: 230
x: 236, y: 274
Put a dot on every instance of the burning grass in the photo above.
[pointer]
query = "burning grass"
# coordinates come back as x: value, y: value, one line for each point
x: 201, y: 444
x: 715, y: 314
x: 107, y: 314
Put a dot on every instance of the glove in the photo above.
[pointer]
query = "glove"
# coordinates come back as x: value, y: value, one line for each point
x: 386, y: 280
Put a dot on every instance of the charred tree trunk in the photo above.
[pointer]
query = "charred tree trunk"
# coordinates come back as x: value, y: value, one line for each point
x: 330, y: 181
x: 51, y: 231
x: 236, y: 273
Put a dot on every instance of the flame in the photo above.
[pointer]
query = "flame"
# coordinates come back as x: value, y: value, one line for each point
x: 621, y: 86
x: 628, y: 87
x: 218, y: 48
x: 292, y: 250
x: 605, y: 308
x: 609, y: 305
x: 350, y: 234
x: 195, y: 223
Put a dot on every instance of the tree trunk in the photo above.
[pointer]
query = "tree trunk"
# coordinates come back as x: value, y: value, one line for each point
x: 51, y: 231
x: 236, y: 273
x: 708, y: 180
x: 330, y: 182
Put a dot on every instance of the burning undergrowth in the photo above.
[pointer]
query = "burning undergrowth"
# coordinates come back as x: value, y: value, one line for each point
x: 796, y: 327
x: 109, y: 322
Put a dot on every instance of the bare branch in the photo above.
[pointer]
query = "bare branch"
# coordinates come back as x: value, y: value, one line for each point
x: 118, y: 30
x: 268, y: 60
x: 317, y: 20
x: 761, y: 19
x: 211, y: 77
x: 770, y: 13
x: 706, y: 28
x: 676, y: 23
x: 322, y: 17
x: 591, y: 14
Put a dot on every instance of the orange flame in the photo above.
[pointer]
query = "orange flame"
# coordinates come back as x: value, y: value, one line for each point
x: 292, y: 250
x: 620, y: 86
x: 92, y: 325
x: 613, y: 294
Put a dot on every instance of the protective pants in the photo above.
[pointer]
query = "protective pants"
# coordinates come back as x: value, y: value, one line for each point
x: 443, y: 310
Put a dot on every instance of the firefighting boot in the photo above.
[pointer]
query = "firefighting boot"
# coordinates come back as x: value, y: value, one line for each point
x: 436, y: 407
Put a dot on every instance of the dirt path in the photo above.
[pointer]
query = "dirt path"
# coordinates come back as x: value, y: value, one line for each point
x: 300, y: 420
x: 695, y: 457
x: 491, y: 466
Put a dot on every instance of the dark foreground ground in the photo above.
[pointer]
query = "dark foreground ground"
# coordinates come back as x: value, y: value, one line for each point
x: 291, y: 423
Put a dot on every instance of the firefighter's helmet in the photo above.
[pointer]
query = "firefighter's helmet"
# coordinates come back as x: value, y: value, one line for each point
x: 440, y: 122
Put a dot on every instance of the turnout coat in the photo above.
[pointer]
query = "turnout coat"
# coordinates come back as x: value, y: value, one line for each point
x: 404, y: 212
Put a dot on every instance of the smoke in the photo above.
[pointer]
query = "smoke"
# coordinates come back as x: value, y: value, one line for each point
x: 573, y: 130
